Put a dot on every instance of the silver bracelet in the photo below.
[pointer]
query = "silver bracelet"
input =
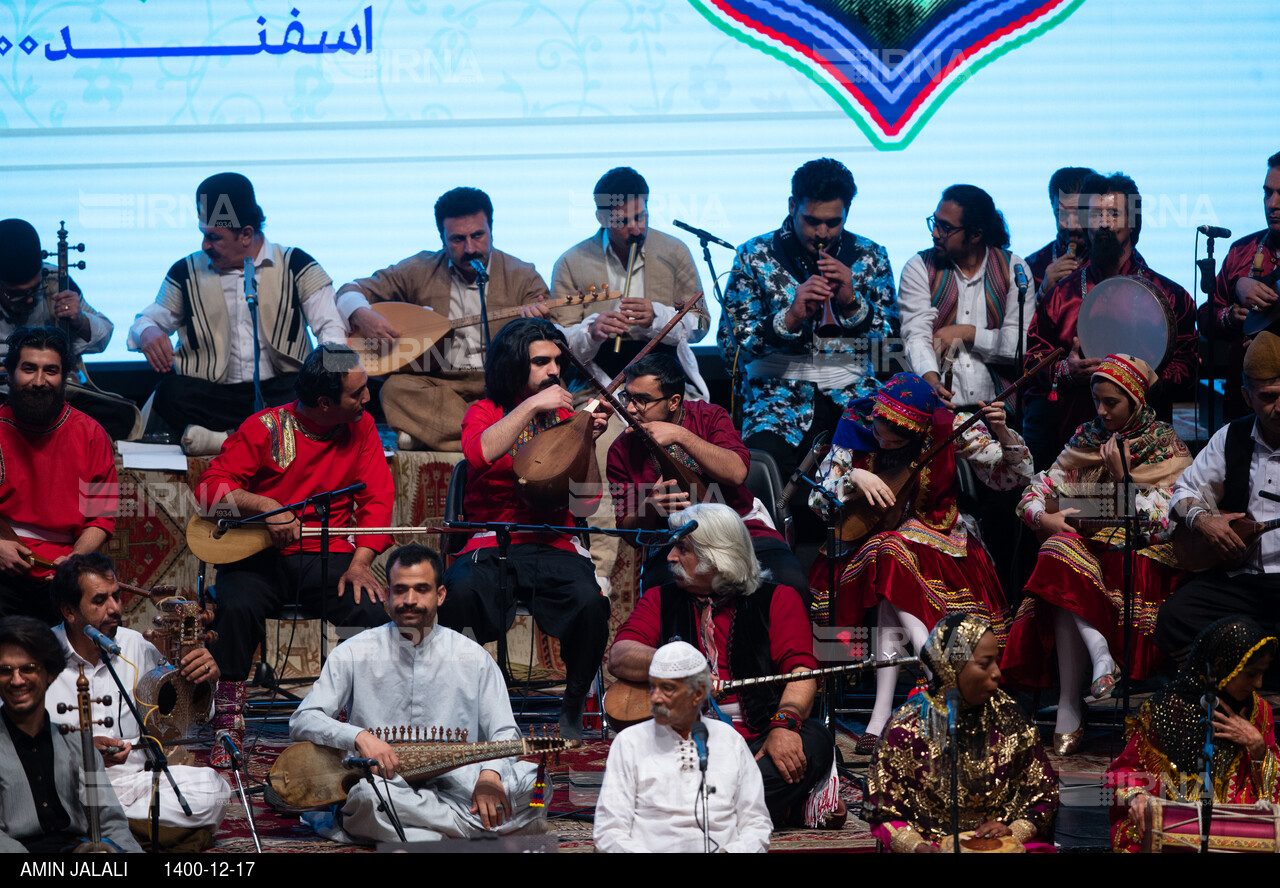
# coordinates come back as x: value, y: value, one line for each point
x: 1192, y: 514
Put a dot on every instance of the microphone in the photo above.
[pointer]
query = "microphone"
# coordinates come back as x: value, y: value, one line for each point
x: 105, y: 644
x: 224, y: 739
x: 1214, y: 231
x: 250, y: 282
x: 703, y: 235
x: 1020, y: 277
x: 953, y: 699
x: 820, y: 445
x: 699, y: 734
x: 685, y: 530
x: 481, y: 272
x: 355, y: 763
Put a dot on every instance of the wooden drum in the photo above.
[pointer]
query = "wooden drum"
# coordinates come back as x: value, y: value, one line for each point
x: 1175, y: 827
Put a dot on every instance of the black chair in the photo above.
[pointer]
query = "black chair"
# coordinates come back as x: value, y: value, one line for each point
x: 765, y: 483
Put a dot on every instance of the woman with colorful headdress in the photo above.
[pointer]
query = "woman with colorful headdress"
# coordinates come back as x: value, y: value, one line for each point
x: 1006, y: 786
x: 1167, y: 734
x: 933, y: 562
x: 1075, y: 597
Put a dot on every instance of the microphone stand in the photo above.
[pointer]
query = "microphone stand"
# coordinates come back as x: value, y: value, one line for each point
x: 251, y: 297
x: 735, y: 371
x: 953, y: 749
x: 482, y: 283
x: 1022, y: 302
x: 835, y: 551
x: 383, y: 806
x: 1206, y: 760
x: 238, y: 762
x: 1132, y: 525
x: 157, y: 761
x: 1207, y: 269
x: 320, y: 504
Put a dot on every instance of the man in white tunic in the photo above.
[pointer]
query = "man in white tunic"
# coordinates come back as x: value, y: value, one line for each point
x: 416, y: 674
x: 87, y: 594
x: 649, y: 800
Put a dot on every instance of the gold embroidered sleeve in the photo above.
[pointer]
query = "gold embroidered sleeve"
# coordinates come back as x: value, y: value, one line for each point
x: 1023, y: 830
x: 904, y: 840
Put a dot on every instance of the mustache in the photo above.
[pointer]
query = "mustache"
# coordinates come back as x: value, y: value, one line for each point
x: 549, y: 382
x: 659, y: 710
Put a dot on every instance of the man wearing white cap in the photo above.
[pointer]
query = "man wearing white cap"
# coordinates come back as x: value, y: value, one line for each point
x: 649, y: 800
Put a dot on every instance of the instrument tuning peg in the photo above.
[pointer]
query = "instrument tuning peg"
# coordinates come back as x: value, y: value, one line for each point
x: 63, y: 709
x: 433, y: 733
x: 105, y: 701
x: 465, y: 732
x: 65, y: 729
x: 448, y: 735
x: 106, y: 721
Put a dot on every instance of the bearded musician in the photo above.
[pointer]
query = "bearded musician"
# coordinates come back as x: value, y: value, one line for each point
x: 57, y: 477
x: 550, y: 572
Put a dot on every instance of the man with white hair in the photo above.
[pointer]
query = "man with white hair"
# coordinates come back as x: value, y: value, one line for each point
x: 649, y: 800
x: 746, y: 626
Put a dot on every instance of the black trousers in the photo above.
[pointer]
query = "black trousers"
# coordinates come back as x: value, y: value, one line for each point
x: 773, y: 554
x: 784, y: 800
x: 249, y: 591
x: 1212, y: 596
x: 558, y: 587
x: 185, y: 400
x: 23, y: 596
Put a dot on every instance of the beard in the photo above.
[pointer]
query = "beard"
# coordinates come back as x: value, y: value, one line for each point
x: 37, y: 406
x: 1106, y: 249
x: 893, y: 461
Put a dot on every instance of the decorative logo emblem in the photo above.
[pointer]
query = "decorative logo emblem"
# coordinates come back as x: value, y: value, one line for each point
x: 889, y: 64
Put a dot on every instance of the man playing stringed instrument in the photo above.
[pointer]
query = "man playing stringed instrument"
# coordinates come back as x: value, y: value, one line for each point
x: 932, y: 561
x: 324, y: 441
x: 700, y: 436
x: 550, y: 571
x: 1234, y: 476
x: 418, y: 674
x: 426, y: 406
x: 747, y: 626
x: 87, y: 594
x: 57, y: 474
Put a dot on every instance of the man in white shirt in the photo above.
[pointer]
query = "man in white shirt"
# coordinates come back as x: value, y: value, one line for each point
x: 959, y: 301
x: 206, y: 387
x: 650, y: 797
x: 416, y: 674
x: 87, y: 594
x: 1236, y: 475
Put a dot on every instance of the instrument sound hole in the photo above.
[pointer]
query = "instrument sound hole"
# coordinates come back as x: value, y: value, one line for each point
x: 167, y: 699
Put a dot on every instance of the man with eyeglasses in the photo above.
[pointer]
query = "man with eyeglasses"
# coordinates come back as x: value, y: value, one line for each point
x: 46, y: 786
x: 1115, y: 222
x: 959, y: 301
x: 30, y: 296
x: 700, y: 436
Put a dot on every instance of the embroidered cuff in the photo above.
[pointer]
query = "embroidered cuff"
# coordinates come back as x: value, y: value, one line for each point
x: 1023, y: 830
x: 905, y: 841
x: 780, y: 325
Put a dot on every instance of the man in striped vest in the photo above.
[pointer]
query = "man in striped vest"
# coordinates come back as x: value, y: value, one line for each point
x: 206, y: 386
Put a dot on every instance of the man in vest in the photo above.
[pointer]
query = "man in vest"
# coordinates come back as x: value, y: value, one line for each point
x: 747, y: 626
x: 1232, y: 476
x: 959, y: 301
x: 206, y: 386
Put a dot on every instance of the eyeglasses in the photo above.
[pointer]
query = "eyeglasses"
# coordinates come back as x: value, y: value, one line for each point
x: 26, y: 670
x: 946, y: 229
x: 21, y: 294
x: 641, y: 401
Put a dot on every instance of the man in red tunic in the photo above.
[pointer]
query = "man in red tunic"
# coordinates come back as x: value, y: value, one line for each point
x: 1247, y: 282
x: 700, y: 436
x: 1115, y: 221
x: 550, y: 572
x: 324, y: 441
x: 57, y: 473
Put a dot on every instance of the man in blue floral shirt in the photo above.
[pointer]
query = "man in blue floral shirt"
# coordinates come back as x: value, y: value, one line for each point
x: 796, y: 381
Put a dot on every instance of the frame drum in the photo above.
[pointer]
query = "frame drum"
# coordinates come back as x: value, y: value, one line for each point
x: 1175, y: 826
x: 1126, y: 316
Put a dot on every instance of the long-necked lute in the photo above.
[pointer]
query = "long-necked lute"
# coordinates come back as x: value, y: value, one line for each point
x: 862, y: 518
x: 561, y: 459
x: 310, y: 776
x: 626, y: 703
x: 1195, y: 554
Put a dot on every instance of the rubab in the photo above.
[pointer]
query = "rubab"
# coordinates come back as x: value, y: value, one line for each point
x: 562, y: 458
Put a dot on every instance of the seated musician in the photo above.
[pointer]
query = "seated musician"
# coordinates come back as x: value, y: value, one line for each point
x: 550, y: 572
x: 1245, y: 284
x: 1230, y: 479
x: 1075, y: 595
x: 321, y: 442
x: 1006, y: 785
x: 700, y: 436
x: 416, y: 674
x: 901, y: 570
x: 1059, y: 399
x: 206, y: 385
x: 426, y: 403
x: 1167, y: 735
x: 87, y: 593
x: 649, y: 799
x: 746, y: 626
x: 57, y: 474
x: 48, y: 785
